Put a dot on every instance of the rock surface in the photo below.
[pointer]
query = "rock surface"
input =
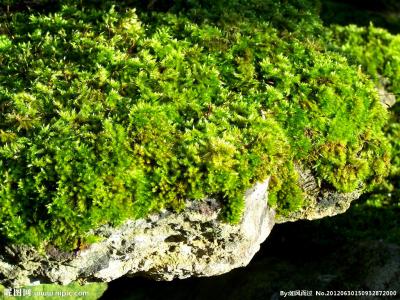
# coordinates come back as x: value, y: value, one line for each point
x: 164, y: 246
x: 308, y: 256
x: 170, y: 245
x: 387, y: 99
x: 321, y: 201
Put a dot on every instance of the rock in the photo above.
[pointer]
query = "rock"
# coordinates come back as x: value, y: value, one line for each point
x: 164, y: 246
x: 383, y: 263
x: 387, y: 99
x: 321, y: 201
x: 306, y: 255
x: 171, y: 245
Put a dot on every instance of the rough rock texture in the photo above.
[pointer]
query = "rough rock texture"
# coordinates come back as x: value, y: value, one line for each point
x: 381, y: 262
x: 387, y: 99
x: 305, y: 254
x: 170, y: 245
x: 321, y: 201
x: 164, y: 246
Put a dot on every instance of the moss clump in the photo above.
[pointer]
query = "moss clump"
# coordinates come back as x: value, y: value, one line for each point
x: 375, y: 49
x: 378, y: 53
x: 109, y: 113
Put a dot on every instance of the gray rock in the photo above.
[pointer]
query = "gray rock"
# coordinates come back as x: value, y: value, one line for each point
x: 321, y: 201
x: 382, y: 264
x: 387, y: 99
x: 170, y: 245
x: 164, y: 246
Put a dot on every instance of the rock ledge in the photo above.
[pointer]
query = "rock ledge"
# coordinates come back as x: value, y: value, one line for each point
x: 164, y: 246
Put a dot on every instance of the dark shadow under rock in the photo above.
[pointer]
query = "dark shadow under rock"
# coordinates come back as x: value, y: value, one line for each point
x: 296, y: 256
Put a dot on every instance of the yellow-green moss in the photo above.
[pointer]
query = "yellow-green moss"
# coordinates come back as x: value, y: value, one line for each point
x: 107, y: 112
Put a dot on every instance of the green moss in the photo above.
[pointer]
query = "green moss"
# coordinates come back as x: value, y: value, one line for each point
x: 375, y: 49
x: 377, y: 52
x: 284, y: 193
x: 112, y: 113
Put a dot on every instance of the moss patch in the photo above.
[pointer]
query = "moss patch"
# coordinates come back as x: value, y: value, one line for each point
x: 115, y: 112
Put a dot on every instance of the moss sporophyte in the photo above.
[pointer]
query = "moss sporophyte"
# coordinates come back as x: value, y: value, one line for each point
x: 111, y: 111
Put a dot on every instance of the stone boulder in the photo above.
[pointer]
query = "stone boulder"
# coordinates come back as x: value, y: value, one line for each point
x: 170, y: 245
x: 164, y: 246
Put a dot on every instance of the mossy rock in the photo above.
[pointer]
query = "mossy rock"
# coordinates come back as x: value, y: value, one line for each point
x: 111, y: 111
